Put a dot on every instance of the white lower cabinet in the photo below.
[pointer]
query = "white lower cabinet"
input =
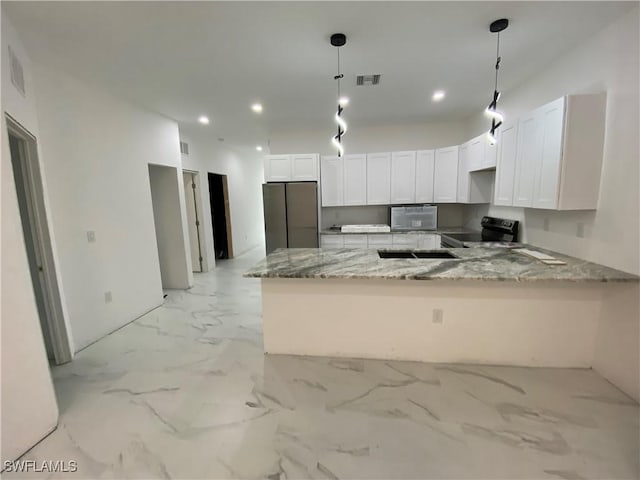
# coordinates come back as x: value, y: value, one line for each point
x: 331, y: 241
x: 405, y: 240
x: 429, y: 241
x: 379, y: 241
x: 355, y: 241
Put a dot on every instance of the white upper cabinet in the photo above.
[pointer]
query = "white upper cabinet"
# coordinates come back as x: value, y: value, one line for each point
x: 277, y: 168
x: 425, y: 160
x: 291, y: 168
x: 403, y: 175
x: 304, y: 167
x: 445, y: 178
x: 530, y: 137
x: 379, y: 178
x: 355, y: 179
x: 506, y: 167
x: 463, y: 173
x: 490, y: 152
x: 547, y: 177
x: 331, y: 181
x: 475, y: 158
x: 559, y: 154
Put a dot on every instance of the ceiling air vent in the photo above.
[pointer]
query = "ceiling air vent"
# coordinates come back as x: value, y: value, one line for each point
x: 184, y: 148
x: 368, y: 80
x: 17, y: 74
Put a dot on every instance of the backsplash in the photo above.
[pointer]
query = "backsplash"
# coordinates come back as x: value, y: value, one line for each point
x: 449, y: 215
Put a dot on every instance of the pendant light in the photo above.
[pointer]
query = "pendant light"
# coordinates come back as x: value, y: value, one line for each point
x: 492, y: 110
x: 338, y: 40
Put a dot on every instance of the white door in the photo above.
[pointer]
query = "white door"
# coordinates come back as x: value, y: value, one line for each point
x: 304, y: 168
x: 355, y: 179
x: 476, y: 153
x: 331, y: 181
x: 463, y: 173
x: 445, y: 178
x: 277, y: 168
x: 403, y: 177
x: 424, y: 176
x: 548, y: 169
x: 506, y: 167
x: 378, y: 178
x: 527, y: 159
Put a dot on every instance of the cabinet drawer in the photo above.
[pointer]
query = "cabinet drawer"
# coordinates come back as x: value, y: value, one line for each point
x: 377, y: 240
x: 331, y: 241
x: 355, y: 241
x: 429, y: 241
x: 406, y: 240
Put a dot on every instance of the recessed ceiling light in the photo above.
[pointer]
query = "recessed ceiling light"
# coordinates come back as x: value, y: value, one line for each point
x: 259, y: 148
x: 438, y: 95
x: 203, y: 120
x: 256, y: 107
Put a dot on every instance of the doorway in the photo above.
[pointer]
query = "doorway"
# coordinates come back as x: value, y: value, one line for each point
x: 167, y: 217
x: 37, y: 239
x: 220, y: 216
x: 194, y: 213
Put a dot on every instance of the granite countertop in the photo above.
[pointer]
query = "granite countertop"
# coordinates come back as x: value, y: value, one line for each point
x: 438, y: 231
x: 479, y: 263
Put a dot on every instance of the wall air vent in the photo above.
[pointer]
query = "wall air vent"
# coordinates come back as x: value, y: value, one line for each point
x: 368, y: 80
x: 17, y: 74
x: 184, y: 148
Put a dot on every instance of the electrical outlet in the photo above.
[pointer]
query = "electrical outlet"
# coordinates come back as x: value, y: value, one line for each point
x: 580, y: 230
x: 545, y: 225
x: 438, y: 315
x: 108, y: 297
x: 91, y: 236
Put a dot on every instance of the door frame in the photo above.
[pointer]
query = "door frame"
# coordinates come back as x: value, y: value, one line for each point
x: 56, y: 325
x: 197, y: 200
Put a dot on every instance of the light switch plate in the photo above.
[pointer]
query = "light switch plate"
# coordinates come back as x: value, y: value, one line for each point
x: 91, y: 236
x: 108, y: 297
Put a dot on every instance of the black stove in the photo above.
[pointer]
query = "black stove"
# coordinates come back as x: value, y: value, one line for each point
x: 497, y: 230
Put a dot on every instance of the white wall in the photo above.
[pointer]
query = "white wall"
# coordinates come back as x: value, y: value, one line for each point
x: 370, y: 139
x: 245, y: 175
x: 607, y: 62
x: 96, y: 149
x: 173, y: 248
x: 29, y: 410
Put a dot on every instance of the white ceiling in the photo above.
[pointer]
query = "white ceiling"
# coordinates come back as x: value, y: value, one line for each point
x: 184, y: 59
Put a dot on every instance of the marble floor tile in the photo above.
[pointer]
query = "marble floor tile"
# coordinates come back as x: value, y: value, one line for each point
x: 186, y: 392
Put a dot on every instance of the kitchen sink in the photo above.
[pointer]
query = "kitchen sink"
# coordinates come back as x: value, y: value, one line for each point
x: 441, y: 254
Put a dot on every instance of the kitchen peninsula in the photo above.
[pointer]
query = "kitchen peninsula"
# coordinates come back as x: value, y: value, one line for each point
x: 485, y: 305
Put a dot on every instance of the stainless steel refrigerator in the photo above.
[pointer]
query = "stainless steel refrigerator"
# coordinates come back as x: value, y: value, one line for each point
x: 290, y: 215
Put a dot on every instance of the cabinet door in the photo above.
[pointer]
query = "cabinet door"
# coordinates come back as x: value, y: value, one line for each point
x: 475, y: 157
x: 378, y: 178
x: 548, y: 168
x: 331, y: 181
x: 355, y: 241
x: 463, y: 173
x: 429, y: 241
x: 528, y: 156
x: 403, y: 177
x: 355, y: 179
x: 445, y: 178
x: 277, y: 168
x: 331, y: 241
x: 380, y: 241
x: 408, y: 240
x: 490, y: 151
x: 424, y: 176
x: 506, y: 166
x: 304, y: 168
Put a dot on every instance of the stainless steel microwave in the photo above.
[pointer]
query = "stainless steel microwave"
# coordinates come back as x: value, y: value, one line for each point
x: 419, y: 217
